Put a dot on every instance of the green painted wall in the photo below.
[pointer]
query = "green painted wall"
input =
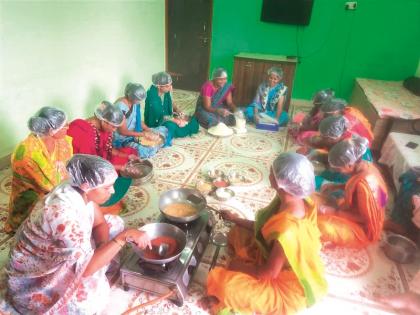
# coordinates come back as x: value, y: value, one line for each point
x: 72, y: 55
x: 379, y: 40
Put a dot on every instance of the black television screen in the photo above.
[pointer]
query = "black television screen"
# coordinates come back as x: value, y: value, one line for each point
x: 297, y: 12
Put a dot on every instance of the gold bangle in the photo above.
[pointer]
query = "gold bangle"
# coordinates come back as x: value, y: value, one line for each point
x: 120, y: 243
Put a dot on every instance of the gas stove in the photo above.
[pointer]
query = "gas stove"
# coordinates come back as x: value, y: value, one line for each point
x: 175, y: 275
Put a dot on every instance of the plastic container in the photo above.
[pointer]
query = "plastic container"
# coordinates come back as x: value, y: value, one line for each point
x: 267, y: 126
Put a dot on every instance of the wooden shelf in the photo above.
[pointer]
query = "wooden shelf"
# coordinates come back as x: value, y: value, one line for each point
x: 250, y: 69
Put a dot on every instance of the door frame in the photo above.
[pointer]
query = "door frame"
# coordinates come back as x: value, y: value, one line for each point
x: 210, y: 27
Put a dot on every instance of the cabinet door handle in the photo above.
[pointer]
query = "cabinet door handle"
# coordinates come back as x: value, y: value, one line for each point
x: 248, y: 65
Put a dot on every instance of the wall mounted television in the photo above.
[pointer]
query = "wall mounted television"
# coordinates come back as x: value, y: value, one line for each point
x: 295, y: 12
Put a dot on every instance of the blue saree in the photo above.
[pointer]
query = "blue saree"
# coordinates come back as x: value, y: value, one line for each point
x: 266, y: 101
x: 134, y: 123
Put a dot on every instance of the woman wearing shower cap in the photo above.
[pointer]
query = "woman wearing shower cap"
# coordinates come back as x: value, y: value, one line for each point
x: 310, y: 122
x: 160, y: 109
x: 94, y: 136
x: 270, y: 98
x: 215, y: 103
x: 61, y: 253
x: 358, y: 219
x: 38, y: 163
x: 276, y: 268
x: 357, y: 122
x: 330, y: 131
x: 133, y: 132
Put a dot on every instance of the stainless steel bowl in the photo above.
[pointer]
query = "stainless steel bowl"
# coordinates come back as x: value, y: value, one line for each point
x: 224, y: 194
x: 221, y: 182
x: 182, y: 195
x: 154, y: 230
x: 399, y: 248
x: 142, y: 174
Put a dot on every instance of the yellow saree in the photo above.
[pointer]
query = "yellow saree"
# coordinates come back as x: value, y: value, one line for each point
x: 299, y: 285
x: 35, y: 173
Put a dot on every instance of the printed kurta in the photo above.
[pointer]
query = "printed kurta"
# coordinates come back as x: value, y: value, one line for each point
x: 50, y: 254
x: 35, y: 173
x: 299, y: 285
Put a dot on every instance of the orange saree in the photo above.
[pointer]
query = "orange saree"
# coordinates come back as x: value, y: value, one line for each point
x: 358, y: 123
x: 366, y: 195
x: 299, y: 285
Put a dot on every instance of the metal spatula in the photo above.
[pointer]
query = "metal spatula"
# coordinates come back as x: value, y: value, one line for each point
x: 162, y: 249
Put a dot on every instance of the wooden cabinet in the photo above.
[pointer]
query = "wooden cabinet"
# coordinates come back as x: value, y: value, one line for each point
x: 251, y: 69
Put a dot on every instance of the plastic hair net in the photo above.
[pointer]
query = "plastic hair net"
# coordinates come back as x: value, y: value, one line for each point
x: 333, y: 126
x: 161, y: 78
x: 294, y: 173
x: 135, y: 92
x: 276, y: 70
x: 109, y: 113
x: 333, y: 105
x: 347, y: 152
x: 323, y: 96
x: 91, y: 170
x: 219, y: 73
x: 46, y: 121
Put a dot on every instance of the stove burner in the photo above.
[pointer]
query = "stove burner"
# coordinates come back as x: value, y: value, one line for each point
x: 173, y: 276
x: 149, y: 268
x: 183, y: 226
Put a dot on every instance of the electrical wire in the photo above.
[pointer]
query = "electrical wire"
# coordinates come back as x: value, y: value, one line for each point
x: 318, y: 49
x: 346, y: 51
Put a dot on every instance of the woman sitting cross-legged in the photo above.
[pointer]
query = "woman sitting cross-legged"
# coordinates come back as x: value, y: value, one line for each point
x: 61, y: 253
x: 38, y: 163
x: 133, y: 132
x: 159, y: 109
x: 94, y: 136
x: 357, y: 219
x: 215, y: 103
x: 277, y: 268
x: 332, y: 130
x: 270, y: 98
x: 357, y: 122
x: 313, y: 118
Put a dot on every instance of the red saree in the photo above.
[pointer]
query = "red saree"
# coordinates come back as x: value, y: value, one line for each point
x: 87, y: 139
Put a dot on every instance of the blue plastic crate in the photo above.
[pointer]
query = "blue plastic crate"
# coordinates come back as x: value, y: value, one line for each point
x: 267, y: 126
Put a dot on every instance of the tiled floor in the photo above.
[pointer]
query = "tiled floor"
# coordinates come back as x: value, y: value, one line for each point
x: 354, y: 277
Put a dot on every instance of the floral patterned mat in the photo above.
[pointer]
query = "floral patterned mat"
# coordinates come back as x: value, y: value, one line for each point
x: 354, y: 277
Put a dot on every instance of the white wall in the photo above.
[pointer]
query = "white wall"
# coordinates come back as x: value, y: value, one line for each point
x: 72, y: 55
